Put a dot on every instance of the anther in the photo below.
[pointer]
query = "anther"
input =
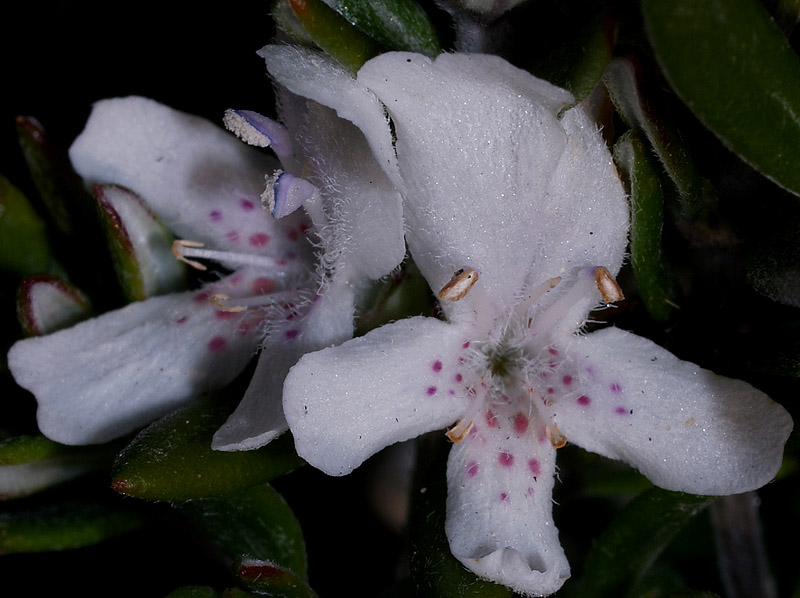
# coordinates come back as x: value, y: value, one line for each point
x: 178, y: 251
x: 460, y: 284
x: 217, y: 301
x: 458, y: 432
x: 557, y: 439
x: 609, y: 289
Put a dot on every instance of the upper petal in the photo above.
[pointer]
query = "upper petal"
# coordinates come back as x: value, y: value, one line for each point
x: 109, y: 375
x: 683, y: 427
x: 499, y: 502
x: 345, y: 403
x: 202, y: 181
x: 475, y: 157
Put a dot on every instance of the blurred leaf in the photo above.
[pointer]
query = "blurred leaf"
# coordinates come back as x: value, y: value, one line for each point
x: 141, y: 246
x: 773, y: 264
x: 640, y: 173
x: 60, y: 189
x: 732, y: 66
x: 396, y: 24
x: 63, y: 526
x: 206, y: 592
x: 435, y: 572
x: 633, y: 541
x: 29, y: 464
x: 24, y: 247
x: 46, y: 304
x: 640, y: 103
x: 577, y: 63
x: 331, y: 32
x: 172, y: 458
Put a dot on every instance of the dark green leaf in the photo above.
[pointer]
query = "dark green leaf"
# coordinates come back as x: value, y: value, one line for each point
x: 435, y: 572
x: 732, y: 66
x: 141, y: 246
x: 577, y: 63
x: 63, y: 526
x: 636, y: 164
x: 261, y: 537
x: 60, y: 189
x: 331, y: 32
x: 396, y: 24
x: 24, y: 247
x: 773, y: 264
x: 172, y: 459
x: 636, y: 537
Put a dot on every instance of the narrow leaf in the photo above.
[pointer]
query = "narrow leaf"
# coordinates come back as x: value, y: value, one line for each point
x: 172, y: 459
x: 331, y: 32
x: 46, y: 304
x: 63, y: 526
x: 141, y: 246
x: 24, y: 246
x: 637, y: 166
x: 732, y: 66
x: 396, y: 24
x: 636, y: 537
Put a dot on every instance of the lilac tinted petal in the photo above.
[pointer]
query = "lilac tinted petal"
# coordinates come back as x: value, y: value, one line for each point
x: 683, y: 427
x: 499, y: 502
x: 203, y: 182
x: 256, y: 129
x: 345, y: 403
x: 109, y: 375
x: 46, y: 304
x: 287, y: 193
x: 26, y: 478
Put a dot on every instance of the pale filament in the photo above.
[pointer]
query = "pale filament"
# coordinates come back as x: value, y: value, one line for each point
x: 221, y: 301
x: 184, y: 249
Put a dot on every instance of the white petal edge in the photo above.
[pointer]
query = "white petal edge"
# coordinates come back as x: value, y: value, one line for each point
x: 345, y: 403
x: 684, y: 427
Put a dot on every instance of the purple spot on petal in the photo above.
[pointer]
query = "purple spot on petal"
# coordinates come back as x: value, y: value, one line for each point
x: 567, y: 380
x: 259, y: 239
x: 224, y: 315
x: 491, y: 419
x: 247, y: 205
x: 521, y: 423
x: 430, y: 391
x: 615, y: 387
x: 505, y: 459
x: 459, y: 377
x: 437, y: 366
x: 584, y: 401
x: 503, y: 497
x: 215, y: 215
x: 535, y: 467
x: 233, y: 235
x: 472, y: 469
x: 217, y: 343
x: 465, y: 345
x: 291, y: 334
x: 621, y: 411
x: 201, y: 297
x: 552, y: 350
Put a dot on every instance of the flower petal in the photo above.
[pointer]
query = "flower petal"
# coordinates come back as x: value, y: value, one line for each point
x: 345, y: 403
x: 499, y: 503
x: 476, y: 157
x: 683, y: 427
x: 109, y: 375
x: 203, y: 182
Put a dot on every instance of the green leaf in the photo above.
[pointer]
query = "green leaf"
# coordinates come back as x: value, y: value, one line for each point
x: 24, y: 247
x: 577, y: 63
x: 633, y: 541
x: 46, y: 304
x: 172, y: 459
x: 63, y: 526
x: 259, y: 535
x: 331, y: 32
x: 59, y: 187
x: 396, y: 24
x: 141, y: 246
x: 773, y: 263
x: 638, y: 169
x: 435, y: 572
x: 732, y: 66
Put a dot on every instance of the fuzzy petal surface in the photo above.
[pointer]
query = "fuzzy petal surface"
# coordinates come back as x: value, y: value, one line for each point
x: 345, y: 403
x: 109, y: 375
x: 684, y: 427
x: 202, y: 181
x: 475, y: 158
x: 499, y: 503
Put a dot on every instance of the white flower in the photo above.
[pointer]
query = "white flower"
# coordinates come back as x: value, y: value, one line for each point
x: 518, y: 220
x: 110, y: 375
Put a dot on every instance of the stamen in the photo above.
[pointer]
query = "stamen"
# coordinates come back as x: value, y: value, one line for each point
x: 524, y: 306
x: 458, y: 432
x: 256, y: 129
x: 243, y: 303
x: 557, y: 439
x: 184, y: 249
x: 216, y: 301
x: 550, y: 317
x: 460, y: 284
x: 608, y: 287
